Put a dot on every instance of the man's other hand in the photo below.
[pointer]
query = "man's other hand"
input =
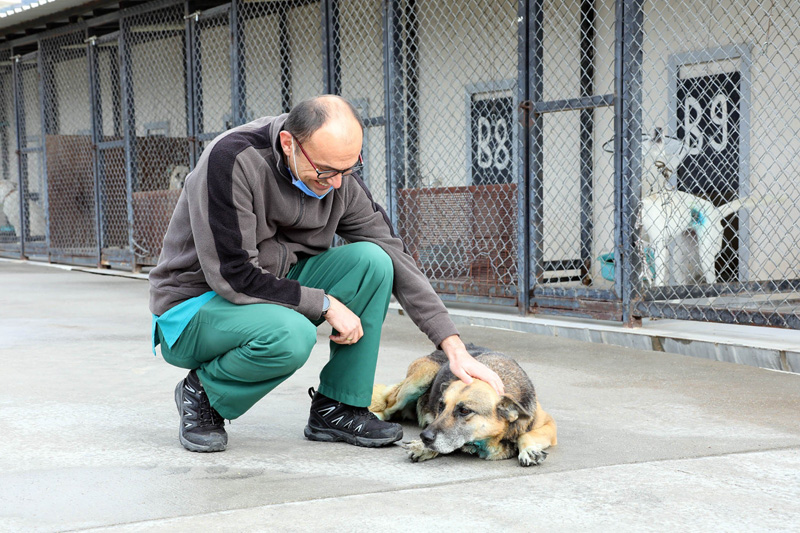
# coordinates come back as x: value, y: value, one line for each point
x: 465, y: 367
x: 344, y: 322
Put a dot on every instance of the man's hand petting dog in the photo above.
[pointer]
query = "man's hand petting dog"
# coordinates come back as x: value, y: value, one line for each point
x: 465, y: 367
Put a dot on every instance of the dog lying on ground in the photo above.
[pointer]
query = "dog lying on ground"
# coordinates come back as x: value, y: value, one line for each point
x: 472, y: 418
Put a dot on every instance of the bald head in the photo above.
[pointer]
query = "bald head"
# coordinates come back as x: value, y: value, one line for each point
x: 329, y: 112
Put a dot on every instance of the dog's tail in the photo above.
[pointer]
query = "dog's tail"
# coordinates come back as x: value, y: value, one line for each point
x: 749, y: 202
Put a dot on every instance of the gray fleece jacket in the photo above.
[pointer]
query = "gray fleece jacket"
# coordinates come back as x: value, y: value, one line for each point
x: 240, y: 225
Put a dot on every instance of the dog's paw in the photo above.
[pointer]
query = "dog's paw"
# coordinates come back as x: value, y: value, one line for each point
x: 417, y: 451
x: 531, y: 456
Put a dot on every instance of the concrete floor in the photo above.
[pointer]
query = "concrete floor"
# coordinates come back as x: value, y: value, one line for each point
x: 647, y: 440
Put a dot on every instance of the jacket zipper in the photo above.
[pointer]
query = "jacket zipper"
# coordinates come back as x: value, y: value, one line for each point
x: 302, y: 207
x: 284, y: 249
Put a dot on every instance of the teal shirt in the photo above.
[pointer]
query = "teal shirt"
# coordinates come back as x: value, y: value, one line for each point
x: 173, y: 322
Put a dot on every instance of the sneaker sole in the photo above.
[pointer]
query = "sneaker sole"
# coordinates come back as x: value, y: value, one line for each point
x: 192, y: 446
x: 332, y: 435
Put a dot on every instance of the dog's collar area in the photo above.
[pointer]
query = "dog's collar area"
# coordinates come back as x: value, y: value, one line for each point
x: 481, y: 446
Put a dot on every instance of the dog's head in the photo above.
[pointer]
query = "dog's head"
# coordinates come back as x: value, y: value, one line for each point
x: 470, y: 414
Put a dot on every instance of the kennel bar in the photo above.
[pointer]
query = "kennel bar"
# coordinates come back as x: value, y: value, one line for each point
x: 238, y: 67
x: 128, y: 126
x: 19, y: 128
x: 96, y: 111
x: 286, y: 63
x: 193, y: 80
x: 331, y: 57
x: 725, y: 315
x: 630, y: 115
x: 535, y: 162
x: 393, y: 102
x: 523, y: 148
x: 42, y: 66
x: 683, y: 292
x: 537, y: 107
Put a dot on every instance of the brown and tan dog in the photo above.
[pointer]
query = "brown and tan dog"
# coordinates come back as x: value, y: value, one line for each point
x: 472, y: 418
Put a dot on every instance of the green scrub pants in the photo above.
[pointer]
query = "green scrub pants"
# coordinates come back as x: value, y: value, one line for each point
x: 242, y: 352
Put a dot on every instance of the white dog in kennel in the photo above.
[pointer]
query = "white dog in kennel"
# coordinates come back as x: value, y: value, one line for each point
x: 667, y: 214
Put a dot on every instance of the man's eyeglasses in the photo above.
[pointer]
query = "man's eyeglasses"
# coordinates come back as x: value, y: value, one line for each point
x: 328, y: 174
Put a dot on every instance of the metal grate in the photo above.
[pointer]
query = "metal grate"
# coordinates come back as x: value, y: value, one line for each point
x: 575, y: 157
x: 155, y: 80
x: 454, y: 108
x: 9, y: 162
x: 69, y: 149
x: 720, y: 150
x: 279, y: 57
x: 33, y: 214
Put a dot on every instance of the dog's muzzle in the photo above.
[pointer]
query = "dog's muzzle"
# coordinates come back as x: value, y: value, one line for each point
x: 427, y: 438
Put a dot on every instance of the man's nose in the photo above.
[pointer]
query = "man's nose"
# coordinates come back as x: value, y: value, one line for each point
x: 335, y: 181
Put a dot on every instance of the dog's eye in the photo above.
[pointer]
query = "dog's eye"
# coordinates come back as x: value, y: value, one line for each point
x: 463, y: 411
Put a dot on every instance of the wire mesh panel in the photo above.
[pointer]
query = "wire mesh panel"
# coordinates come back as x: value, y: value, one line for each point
x: 68, y: 149
x: 212, y: 73
x: 454, y: 98
x: 357, y: 45
x: 156, y: 118
x: 280, y: 56
x: 573, y: 245
x: 111, y: 170
x: 32, y: 221
x: 9, y: 163
x: 720, y: 149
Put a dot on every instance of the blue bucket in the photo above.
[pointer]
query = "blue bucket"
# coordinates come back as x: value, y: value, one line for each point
x: 608, y: 267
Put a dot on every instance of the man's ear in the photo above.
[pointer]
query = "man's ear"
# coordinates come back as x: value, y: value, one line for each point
x: 286, y: 143
x: 510, y: 410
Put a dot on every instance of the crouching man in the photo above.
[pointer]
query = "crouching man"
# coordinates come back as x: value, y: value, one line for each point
x: 247, y: 274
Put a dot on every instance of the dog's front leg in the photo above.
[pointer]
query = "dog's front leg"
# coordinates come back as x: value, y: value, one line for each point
x: 417, y: 451
x: 533, y: 443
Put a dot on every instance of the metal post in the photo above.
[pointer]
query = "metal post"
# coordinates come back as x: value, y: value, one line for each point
x: 523, y: 148
x: 116, y: 98
x: 96, y: 112
x: 536, y: 190
x: 193, y: 83
x: 412, y: 94
x: 631, y: 155
x: 588, y: 13
x: 286, y: 61
x: 4, y: 130
x: 129, y: 128
x: 331, y: 68
x: 19, y: 112
x: 238, y: 82
x: 395, y: 106
x: 45, y: 98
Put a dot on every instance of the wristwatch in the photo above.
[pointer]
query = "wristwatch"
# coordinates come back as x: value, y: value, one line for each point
x: 326, y: 304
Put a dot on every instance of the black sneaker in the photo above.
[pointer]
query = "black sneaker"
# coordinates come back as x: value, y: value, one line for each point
x: 332, y: 421
x: 201, y: 426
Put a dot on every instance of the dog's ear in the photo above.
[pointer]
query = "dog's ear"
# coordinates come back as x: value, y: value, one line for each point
x: 510, y: 410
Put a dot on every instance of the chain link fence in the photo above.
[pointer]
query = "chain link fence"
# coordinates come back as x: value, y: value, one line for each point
x: 69, y: 148
x: 9, y: 162
x: 155, y: 113
x: 32, y: 189
x: 606, y: 158
x: 453, y: 83
x: 574, y: 245
x: 717, y: 219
